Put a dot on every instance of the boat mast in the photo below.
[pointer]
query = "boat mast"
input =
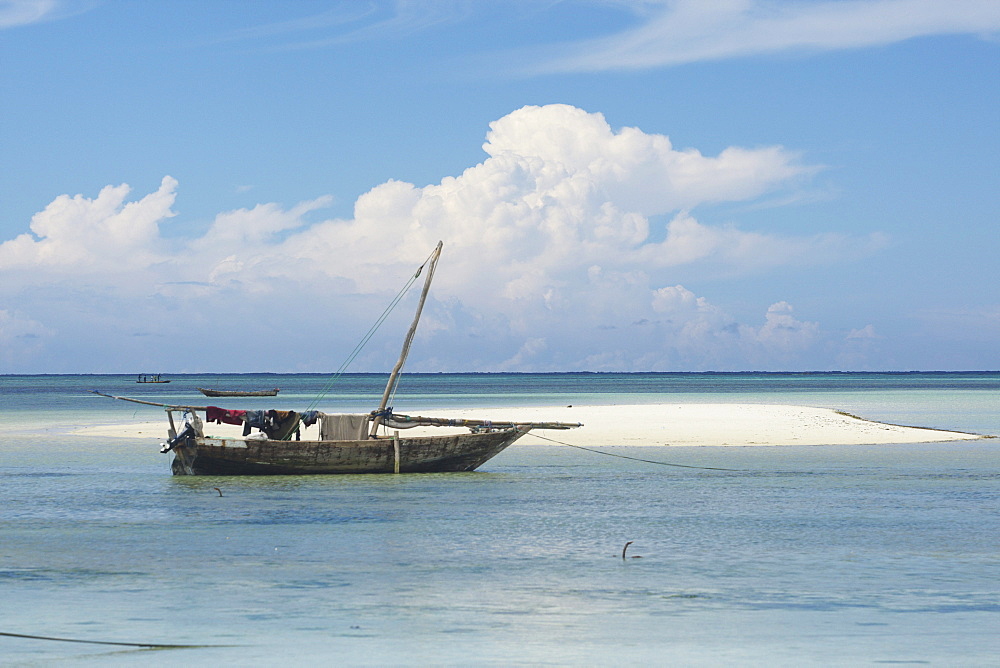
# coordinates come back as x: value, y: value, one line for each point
x: 408, y: 340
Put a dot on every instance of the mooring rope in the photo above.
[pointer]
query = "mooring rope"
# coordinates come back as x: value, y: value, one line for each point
x: 150, y: 645
x: 636, y: 459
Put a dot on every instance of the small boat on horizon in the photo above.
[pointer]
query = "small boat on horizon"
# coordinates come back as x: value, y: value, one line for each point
x: 150, y: 378
x: 239, y: 393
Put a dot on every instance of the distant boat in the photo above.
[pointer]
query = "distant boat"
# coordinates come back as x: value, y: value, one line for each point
x: 346, y: 443
x: 150, y: 378
x: 238, y: 393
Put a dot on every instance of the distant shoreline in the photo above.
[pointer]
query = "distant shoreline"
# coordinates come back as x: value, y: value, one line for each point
x: 185, y: 374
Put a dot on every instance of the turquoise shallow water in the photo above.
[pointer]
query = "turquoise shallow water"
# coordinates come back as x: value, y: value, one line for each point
x: 802, y: 556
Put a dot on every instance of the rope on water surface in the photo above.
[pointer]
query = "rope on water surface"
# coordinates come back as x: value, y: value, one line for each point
x: 636, y: 459
x: 150, y: 645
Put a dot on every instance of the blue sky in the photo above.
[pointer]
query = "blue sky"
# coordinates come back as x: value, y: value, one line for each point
x: 620, y: 186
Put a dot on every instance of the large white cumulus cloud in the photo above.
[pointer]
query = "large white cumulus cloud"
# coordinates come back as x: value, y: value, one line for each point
x: 77, y: 234
x: 553, y: 260
x: 639, y: 172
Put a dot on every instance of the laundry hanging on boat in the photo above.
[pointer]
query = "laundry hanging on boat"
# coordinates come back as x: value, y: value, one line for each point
x: 343, y: 427
x: 222, y: 415
x: 277, y: 425
x: 282, y: 424
x: 254, y: 419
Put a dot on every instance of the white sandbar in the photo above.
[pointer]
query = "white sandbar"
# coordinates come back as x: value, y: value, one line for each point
x: 652, y: 424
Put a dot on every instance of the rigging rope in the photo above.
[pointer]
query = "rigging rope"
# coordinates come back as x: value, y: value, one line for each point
x: 365, y: 339
x: 636, y: 459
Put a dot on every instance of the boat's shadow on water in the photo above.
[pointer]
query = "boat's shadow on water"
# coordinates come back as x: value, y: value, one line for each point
x: 320, y: 499
x: 223, y: 486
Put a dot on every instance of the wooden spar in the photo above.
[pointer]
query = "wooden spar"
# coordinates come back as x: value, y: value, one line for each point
x: 407, y: 341
x: 151, y: 403
x: 403, y: 421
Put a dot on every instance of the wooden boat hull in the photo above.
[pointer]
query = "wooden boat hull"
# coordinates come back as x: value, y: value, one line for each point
x: 238, y: 393
x: 422, y: 454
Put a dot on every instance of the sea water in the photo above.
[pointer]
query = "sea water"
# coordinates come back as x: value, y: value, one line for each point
x: 830, y: 555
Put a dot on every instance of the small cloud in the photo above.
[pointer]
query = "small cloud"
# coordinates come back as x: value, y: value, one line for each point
x: 866, y: 332
x: 782, y: 330
x: 527, y: 354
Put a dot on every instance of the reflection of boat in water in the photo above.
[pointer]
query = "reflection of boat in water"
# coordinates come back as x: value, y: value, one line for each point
x: 150, y: 378
x: 346, y: 443
x: 238, y: 393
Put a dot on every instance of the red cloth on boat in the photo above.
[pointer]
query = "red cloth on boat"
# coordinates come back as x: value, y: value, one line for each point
x: 220, y: 415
